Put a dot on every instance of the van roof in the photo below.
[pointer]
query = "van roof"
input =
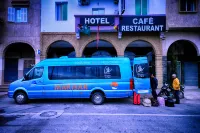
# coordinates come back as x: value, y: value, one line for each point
x: 83, y: 61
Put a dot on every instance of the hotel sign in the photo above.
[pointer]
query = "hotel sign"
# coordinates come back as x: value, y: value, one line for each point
x: 97, y: 20
x: 143, y: 24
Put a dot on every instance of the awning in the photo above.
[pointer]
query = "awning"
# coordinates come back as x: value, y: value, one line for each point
x: 23, y: 3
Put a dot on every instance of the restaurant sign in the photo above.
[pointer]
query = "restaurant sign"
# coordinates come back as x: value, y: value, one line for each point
x: 142, y: 24
x: 97, y: 20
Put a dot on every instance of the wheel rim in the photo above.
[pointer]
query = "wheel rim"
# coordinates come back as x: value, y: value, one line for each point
x: 98, y: 98
x: 20, y: 98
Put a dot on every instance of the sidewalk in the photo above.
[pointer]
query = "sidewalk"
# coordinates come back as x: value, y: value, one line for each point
x: 2, y: 94
x: 192, y: 94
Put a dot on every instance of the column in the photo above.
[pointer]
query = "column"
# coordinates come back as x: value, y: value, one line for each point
x: 164, y: 63
x: 2, y: 62
x: 20, y: 68
x: 37, y: 58
x: 159, y: 70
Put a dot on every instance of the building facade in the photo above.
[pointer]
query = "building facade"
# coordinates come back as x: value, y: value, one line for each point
x: 161, y: 30
x: 61, y: 35
x: 20, y: 38
x: 181, y: 47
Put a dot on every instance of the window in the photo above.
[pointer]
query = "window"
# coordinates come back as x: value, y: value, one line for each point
x: 35, y: 73
x: 61, y: 11
x: 188, y: 5
x: 84, y: 72
x: 17, y: 14
x: 141, y: 7
x: 141, y: 70
x: 98, y: 11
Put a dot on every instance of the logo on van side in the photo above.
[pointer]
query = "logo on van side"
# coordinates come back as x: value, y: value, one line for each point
x: 140, y: 69
x: 107, y: 70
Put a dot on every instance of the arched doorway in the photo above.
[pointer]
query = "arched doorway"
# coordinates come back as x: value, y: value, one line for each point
x: 19, y: 59
x: 61, y: 48
x: 103, y: 49
x: 183, y: 60
x: 140, y: 49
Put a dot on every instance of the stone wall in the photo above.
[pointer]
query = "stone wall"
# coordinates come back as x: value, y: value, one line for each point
x: 22, y: 32
x: 177, y: 19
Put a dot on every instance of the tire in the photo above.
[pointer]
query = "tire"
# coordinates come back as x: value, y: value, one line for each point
x: 181, y: 95
x: 21, y: 98
x: 97, y: 98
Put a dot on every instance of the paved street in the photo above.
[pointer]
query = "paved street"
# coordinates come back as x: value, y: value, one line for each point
x: 79, y: 116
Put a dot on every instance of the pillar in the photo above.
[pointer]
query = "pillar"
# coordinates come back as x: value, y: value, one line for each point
x: 159, y: 70
x: 37, y: 58
x: 2, y: 62
x: 164, y: 63
x: 20, y: 68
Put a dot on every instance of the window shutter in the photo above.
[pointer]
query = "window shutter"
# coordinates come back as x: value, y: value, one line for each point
x: 64, y: 11
x: 144, y: 7
x: 25, y: 15
x: 58, y: 11
x: 11, y: 14
x: 138, y: 7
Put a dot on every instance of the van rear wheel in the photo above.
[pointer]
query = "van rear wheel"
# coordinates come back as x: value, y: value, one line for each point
x: 97, y: 98
x: 21, y: 98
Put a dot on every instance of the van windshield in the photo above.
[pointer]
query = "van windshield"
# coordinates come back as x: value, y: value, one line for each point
x: 141, y: 70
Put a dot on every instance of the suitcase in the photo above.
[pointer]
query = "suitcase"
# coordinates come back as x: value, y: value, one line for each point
x: 161, y: 101
x: 136, y: 99
x: 169, y: 102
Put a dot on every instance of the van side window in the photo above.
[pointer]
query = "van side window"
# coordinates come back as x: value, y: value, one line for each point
x: 84, y: 72
x: 141, y: 70
x: 35, y: 73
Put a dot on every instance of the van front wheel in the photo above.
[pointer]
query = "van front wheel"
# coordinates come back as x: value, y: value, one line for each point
x: 97, y: 98
x: 20, y: 98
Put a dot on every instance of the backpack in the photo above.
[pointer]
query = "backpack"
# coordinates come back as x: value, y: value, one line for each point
x: 146, y: 102
x: 169, y: 102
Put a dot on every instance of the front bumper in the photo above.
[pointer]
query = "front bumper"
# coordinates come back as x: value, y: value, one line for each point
x: 10, y: 94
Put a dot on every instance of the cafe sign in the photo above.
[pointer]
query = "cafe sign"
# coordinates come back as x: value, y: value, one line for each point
x: 142, y: 24
x: 97, y: 20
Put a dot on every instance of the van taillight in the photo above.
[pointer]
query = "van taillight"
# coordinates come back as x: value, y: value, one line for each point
x: 131, y: 84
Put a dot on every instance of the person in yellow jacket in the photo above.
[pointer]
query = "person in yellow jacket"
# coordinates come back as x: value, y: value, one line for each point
x: 176, y: 87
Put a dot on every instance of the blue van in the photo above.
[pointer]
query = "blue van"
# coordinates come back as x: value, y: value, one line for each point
x: 94, y: 78
x: 141, y: 75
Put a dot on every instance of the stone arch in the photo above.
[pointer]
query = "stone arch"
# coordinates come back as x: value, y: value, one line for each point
x: 155, y: 45
x: 157, y: 48
x: 4, y: 47
x: 91, y: 39
x: 191, y: 42
x: 48, y: 39
x: 47, y: 49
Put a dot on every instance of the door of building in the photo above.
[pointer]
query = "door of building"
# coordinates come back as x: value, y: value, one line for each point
x: 191, y: 74
x: 11, y: 70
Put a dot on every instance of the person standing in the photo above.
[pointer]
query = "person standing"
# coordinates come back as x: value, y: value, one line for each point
x: 154, y: 85
x: 176, y: 87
